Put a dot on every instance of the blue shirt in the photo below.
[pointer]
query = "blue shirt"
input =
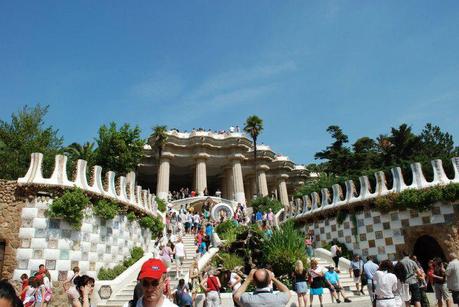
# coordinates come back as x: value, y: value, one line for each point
x: 370, y: 269
x: 332, y: 277
x: 202, y: 248
x: 209, y: 230
x: 259, y: 216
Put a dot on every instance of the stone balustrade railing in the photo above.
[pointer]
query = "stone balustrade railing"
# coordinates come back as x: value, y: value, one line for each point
x: 315, y: 203
x: 122, y: 189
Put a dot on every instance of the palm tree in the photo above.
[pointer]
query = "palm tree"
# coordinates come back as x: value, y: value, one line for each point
x: 77, y: 151
x: 254, y: 126
x: 159, y: 136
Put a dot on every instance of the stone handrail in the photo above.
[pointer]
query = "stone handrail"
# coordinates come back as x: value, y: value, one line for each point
x: 105, y: 287
x: 124, y: 190
x: 326, y: 255
x: 308, y: 206
x: 177, y: 203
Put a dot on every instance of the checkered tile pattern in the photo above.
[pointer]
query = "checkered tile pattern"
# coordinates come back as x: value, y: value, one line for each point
x: 53, y: 242
x: 378, y: 233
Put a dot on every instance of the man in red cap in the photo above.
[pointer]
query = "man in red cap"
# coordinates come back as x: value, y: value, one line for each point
x: 152, y: 277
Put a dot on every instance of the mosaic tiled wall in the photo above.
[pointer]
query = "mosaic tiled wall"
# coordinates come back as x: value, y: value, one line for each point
x: 377, y: 233
x: 54, y: 243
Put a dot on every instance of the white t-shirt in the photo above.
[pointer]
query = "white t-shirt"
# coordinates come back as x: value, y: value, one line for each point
x: 179, y: 249
x: 333, y: 250
x: 166, y: 303
x: 196, y: 218
x: 385, y: 284
x: 233, y: 280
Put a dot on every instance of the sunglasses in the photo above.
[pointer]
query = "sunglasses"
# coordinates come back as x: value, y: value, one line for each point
x: 152, y: 283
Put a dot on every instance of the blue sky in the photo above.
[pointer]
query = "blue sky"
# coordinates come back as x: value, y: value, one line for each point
x: 300, y: 65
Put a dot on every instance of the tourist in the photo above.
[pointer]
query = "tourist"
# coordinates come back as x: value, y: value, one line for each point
x: 308, y: 242
x: 316, y: 275
x: 370, y: 268
x: 30, y: 294
x: 402, y: 294
x: 47, y: 286
x: 24, y: 286
x: 152, y: 277
x: 430, y: 273
x: 263, y: 294
x: 270, y: 217
x: 259, y: 217
x: 209, y: 230
x: 70, y: 287
x: 202, y: 248
x: 422, y: 283
x: 412, y: 271
x: 180, y: 255
x: 234, y: 283
x: 218, y: 193
x: 336, y: 253
x: 182, y: 295
x: 85, y: 287
x: 334, y: 285
x: 439, y: 282
x: 385, y: 285
x: 356, y: 271
x: 211, y: 285
x: 300, y: 277
x: 196, y: 222
x: 8, y: 297
x: 452, y: 277
x: 165, y: 254
x: 195, y: 277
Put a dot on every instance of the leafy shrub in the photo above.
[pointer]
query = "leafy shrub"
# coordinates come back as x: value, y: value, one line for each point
x: 105, y: 209
x: 341, y: 216
x: 70, y: 207
x: 263, y: 204
x: 451, y: 192
x: 154, y: 224
x: 226, y: 226
x: 131, y: 216
x: 228, y: 261
x: 161, y: 204
x: 110, y: 274
x: 285, y: 247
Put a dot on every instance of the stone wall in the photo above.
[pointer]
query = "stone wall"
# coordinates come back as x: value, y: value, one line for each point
x: 56, y: 244
x: 386, y: 235
x: 10, y: 222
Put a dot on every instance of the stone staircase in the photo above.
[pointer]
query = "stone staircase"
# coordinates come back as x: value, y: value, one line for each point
x: 346, y: 282
x: 125, y: 294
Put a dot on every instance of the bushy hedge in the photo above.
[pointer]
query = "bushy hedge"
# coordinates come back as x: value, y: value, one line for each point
x: 285, y: 247
x: 110, y: 274
x: 228, y: 261
x: 420, y: 200
x: 70, y: 207
x: 154, y: 224
x: 263, y: 204
x: 161, y: 204
x: 131, y: 216
x: 105, y: 209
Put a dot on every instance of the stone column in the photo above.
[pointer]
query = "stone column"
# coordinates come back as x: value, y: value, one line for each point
x: 262, y: 183
x: 224, y: 185
x: 162, y: 187
x: 252, y: 187
x: 283, y: 190
x: 201, y: 174
x: 229, y: 184
x: 238, y: 181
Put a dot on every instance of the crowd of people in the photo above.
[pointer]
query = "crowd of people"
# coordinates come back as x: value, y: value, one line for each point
x: 231, y: 129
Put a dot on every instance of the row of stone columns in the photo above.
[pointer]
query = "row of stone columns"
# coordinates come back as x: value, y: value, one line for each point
x: 232, y: 183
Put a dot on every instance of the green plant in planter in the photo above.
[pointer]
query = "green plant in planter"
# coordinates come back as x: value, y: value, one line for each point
x: 70, y: 206
x: 105, y: 209
x: 131, y: 216
x: 285, y: 247
x: 110, y: 274
x: 228, y: 261
x: 154, y: 224
x: 161, y: 204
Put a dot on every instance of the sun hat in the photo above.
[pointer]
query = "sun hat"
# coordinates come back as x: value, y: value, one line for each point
x: 152, y: 268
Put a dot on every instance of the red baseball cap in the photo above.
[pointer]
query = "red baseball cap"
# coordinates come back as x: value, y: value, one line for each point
x: 152, y: 268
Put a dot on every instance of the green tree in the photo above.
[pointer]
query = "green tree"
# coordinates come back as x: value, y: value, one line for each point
x: 119, y: 150
x: 339, y: 156
x: 404, y: 145
x: 254, y: 126
x: 436, y: 143
x: 365, y: 155
x: 25, y: 134
x: 77, y: 151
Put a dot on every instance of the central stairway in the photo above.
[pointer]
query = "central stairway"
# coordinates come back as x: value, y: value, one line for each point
x: 125, y: 294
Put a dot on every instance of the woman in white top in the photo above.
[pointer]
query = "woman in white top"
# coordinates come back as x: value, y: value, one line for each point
x: 385, y: 283
x: 180, y: 255
x: 402, y: 294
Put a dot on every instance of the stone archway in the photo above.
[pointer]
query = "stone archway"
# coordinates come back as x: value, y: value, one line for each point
x: 427, y: 248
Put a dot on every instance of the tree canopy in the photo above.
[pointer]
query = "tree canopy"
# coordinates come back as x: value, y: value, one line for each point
x: 24, y: 134
x: 119, y: 150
